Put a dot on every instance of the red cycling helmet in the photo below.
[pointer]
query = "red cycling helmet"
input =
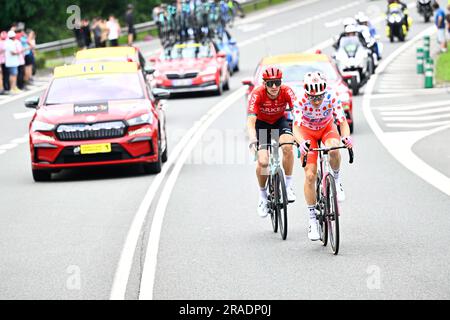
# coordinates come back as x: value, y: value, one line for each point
x: 272, y: 73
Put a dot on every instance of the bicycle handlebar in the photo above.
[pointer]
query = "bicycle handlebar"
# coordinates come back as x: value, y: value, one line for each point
x: 327, y: 149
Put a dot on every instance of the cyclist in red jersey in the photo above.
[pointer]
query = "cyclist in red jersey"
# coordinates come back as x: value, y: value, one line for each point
x: 266, y: 120
x: 313, y: 121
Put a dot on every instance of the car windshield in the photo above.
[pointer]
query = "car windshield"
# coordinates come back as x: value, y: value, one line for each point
x: 99, y: 87
x: 186, y: 52
x: 296, y: 72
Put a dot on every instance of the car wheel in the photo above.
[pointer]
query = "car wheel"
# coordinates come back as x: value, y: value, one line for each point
x: 226, y: 85
x: 154, y: 167
x: 219, y: 90
x: 41, y: 175
x: 164, y: 156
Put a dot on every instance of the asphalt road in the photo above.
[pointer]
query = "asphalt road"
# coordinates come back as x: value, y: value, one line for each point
x: 63, y: 239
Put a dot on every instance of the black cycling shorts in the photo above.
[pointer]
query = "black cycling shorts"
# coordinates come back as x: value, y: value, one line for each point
x: 266, y: 131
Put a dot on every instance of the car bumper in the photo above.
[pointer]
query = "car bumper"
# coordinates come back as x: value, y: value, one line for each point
x: 187, y: 89
x: 66, y: 154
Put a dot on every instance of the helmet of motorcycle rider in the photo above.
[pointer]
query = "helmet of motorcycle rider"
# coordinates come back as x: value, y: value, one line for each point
x: 350, y: 29
x: 361, y: 18
x: 348, y: 21
x: 315, y: 83
x: 272, y: 73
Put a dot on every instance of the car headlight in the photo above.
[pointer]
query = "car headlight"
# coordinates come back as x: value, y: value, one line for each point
x: 146, y: 118
x: 208, y: 71
x: 42, y: 126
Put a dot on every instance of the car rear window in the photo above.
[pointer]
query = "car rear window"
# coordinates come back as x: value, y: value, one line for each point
x: 296, y: 72
x: 187, y: 52
x: 94, y: 88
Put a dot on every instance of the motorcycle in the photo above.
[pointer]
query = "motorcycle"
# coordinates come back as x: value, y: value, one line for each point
x: 354, y: 62
x: 425, y: 9
x: 396, y: 27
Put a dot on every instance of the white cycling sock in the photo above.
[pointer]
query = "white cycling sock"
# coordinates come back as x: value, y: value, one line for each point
x: 312, y: 212
x: 263, y: 193
x: 288, y: 180
x: 336, y: 175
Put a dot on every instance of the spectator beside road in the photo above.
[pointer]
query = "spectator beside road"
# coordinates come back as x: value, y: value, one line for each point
x: 447, y: 17
x: 113, y: 31
x: 29, y: 56
x: 86, y: 33
x: 21, y: 69
x: 129, y: 19
x: 12, y: 60
x: 3, y: 83
x: 97, y: 31
x: 439, y: 21
x: 79, y: 36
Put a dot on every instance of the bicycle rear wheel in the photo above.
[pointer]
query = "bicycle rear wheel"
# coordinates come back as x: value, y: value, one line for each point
x: 332, y: 213
x: 273, y: 214
x: 281, y: 201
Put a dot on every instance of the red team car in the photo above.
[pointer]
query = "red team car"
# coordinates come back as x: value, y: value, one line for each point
x: 191, y: 67
x: 295, y: 66
x: 97, y: 114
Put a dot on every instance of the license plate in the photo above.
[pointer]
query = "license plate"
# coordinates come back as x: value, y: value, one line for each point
x: 95, y: 148
x: 182, y: 82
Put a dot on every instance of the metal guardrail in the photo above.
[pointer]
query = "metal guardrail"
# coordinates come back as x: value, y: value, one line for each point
x: 145, y: 26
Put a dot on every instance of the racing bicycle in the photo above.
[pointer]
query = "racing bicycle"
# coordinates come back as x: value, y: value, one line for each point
x: 327, y: 209
x: 277, y: 197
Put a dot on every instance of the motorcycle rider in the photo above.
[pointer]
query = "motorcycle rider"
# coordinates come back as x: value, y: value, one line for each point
x: 404, y: 8
x: 350, y: 31
x: 369, y: 32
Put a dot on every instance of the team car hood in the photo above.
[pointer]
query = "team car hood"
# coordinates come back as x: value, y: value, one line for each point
x: 92, y: 112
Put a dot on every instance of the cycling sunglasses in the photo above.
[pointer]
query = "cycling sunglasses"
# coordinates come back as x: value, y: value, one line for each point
x: 270, y: 83
x: 316, y: 98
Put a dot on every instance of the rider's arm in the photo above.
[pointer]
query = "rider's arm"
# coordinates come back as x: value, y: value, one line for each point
x: 252, y: 112
x: 251, y: 128
x: 339, y: 114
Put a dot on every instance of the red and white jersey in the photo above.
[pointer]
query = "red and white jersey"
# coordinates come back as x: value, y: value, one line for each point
x: 305, y: 114
x: 267, y: 109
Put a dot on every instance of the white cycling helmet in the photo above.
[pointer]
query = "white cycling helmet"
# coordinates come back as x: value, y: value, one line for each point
x: 315, y: 83
x: 351, y: 28
x: 349, y: 21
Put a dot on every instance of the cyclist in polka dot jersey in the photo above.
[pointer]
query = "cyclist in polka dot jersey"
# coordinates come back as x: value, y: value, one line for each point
x: 313, y: 122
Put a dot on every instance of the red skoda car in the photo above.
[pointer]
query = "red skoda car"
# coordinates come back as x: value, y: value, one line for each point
x: 97, y: 114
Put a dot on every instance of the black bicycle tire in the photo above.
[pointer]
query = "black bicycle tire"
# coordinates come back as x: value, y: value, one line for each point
x: 331, y: 190
x: 282, y: 214
x: 321, y: 218
x: 273, y: 216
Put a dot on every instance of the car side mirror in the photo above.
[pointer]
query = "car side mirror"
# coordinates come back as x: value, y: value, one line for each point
x: 221, y: 54
x: 247, y: 82
x: 149, y: 70
x: 160, y: 94
x: 32, y: 102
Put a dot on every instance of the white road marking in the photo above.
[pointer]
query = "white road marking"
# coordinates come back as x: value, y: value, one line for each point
x: 2, y: 151
x: 421, y: 113
x: 399, y: 144
x: 334, y: 23
x: 8, y: 146
x: 20, y: 140
x: 250, y: 27
x: 409, y: 93
x: 418, y: 125
x: 273, y: 12
x: 409, y: 106
x: 24, y: 115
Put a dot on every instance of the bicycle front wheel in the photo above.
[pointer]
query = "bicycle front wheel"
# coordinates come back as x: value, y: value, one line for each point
x: 273, y: 212
x: 332, y: 214
x: 320, y: 207
x: 282, y: 201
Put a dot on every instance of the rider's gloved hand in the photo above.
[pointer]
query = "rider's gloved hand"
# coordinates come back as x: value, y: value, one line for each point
x: 348, y: 141
x: 304, y: 147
